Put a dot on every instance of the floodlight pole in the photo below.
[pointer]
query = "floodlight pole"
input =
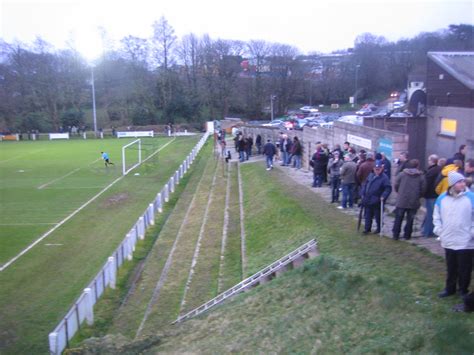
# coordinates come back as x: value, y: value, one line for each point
x: 93, y: 102
x: 272, y: 98
x: 355, y: 94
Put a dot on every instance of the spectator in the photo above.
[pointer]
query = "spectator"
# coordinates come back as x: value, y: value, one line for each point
x: 319, y: 162
x: 258, y: 144
x: 241, y: 147
x: 348, y: 179
x: 454, y: 223
x: 346, y: 148
x: 402, y: 162
x: 442, y: 162
x: 387, y: 166
x: 334, y: 170
x: 249, y: 146
x: 469, y: 174
x: 297, y: 152
x: 442, y: 179
x: 325, y: 148
x: 365, y: 168
x: 269, y: 150
x: 285, y: 148
x: 410, y: 185
x: 375, y: 190
x: 461, y: 154
x: 430, y: 195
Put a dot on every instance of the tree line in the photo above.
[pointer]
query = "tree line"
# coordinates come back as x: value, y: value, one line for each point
x: 162, y: 79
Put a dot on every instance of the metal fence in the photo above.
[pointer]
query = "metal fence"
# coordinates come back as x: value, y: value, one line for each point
x: 83, y: 308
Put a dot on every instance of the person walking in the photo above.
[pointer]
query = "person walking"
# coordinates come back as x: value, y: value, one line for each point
x: 334, y: 170
x: 348, y: 180
x: 453, y: 219
x: 375, y: 190
x: 269, y: 150
x: 410, y: 185
x: 430, y: 194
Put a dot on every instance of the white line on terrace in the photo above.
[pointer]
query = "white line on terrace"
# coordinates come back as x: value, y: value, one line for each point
x: 24, y: 251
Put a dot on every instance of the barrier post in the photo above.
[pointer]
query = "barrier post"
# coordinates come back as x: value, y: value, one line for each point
x: 167, y: 195
x: 172, y: 184
x: 159, y: 204
x: 89, y: 307
x: 151, y: 214
x: 53, y: 343
x: 141, y: 229
x: 112, y: 272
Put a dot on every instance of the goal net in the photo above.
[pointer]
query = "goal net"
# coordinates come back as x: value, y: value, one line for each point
x: 131, y: 156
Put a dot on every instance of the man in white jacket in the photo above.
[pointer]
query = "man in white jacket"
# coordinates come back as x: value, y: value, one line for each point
x: 453, y: 220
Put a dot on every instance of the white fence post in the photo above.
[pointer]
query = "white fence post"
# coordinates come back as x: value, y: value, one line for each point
x: 53, y: 343
x: 129, y: 249
x: 89, y: 307
x: 151, y: 214
x: 112, y: 269
x: 167, y: 195
x: 172, y: 184
x: 159, y: 204
x: 176, y: 174
x: 141, y: 228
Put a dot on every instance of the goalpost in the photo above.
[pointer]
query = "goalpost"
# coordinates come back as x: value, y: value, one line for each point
x: 133, y: 161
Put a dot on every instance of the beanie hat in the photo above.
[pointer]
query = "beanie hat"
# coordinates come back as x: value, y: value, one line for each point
x: 454, y: 177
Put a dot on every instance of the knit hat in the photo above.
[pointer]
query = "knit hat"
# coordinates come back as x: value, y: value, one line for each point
x: 454, y: 177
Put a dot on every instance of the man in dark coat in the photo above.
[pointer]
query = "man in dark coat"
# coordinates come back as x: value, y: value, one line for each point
x: 410, y: 185
x: 258, y: 144
x: 319, y: 162
x: 430, y: 194
x: 375, y: 190
x: 269, y: 150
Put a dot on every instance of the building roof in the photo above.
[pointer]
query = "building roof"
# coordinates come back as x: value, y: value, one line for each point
x: 459, y: 64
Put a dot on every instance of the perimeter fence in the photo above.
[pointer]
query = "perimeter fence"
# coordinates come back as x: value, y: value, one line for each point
x: 83, y: 308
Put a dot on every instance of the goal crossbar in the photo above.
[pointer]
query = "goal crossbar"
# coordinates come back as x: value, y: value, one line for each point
x: 125, y: 171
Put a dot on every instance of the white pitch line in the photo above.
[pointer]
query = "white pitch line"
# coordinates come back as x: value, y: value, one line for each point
x: 26, y: 224
x: 20, y: 156
x: 24, y: 251
x: 65, y: 176
x: 57, y: 179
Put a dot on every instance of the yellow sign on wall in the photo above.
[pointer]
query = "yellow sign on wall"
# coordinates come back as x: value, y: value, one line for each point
x: 448, y: 126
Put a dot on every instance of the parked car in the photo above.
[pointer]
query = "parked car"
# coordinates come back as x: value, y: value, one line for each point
x: 403, y: 114
x: 394, y: 94
x: 274, y: 123
x: 364, y: 112
x: 354, y: 119
x: 398, y: 104
x: 308, y: 109
x: 300, y: 123
x: 317, y: 122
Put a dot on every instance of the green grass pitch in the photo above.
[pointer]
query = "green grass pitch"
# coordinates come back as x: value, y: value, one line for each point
x: 42, y: 183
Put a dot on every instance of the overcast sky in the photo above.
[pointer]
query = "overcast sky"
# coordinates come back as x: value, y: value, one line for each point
x: 310, y: 25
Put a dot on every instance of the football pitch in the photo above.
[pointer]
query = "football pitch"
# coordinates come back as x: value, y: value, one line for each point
x: 62, y: 213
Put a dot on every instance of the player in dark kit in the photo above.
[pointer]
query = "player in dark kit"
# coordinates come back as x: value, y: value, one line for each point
x: 105, y: 156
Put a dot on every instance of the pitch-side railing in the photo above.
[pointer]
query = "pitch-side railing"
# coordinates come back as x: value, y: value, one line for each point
x: 83, y: 308
x: 295, y: 258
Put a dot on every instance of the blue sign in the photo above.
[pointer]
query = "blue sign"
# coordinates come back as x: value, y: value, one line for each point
x: 386, y: 147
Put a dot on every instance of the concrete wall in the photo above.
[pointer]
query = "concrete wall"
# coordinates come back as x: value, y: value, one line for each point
x: 443, y: 145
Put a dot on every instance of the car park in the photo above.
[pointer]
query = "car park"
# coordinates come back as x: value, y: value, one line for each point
x: 274, y: 123
x: 300, y: 123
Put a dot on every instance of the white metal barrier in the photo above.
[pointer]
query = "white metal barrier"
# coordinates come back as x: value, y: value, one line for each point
x: 307, y: 250
x: 83, y: 308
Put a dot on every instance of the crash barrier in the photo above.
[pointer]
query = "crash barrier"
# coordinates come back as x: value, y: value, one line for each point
x: 83, y: 308
x: 295, y: 258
